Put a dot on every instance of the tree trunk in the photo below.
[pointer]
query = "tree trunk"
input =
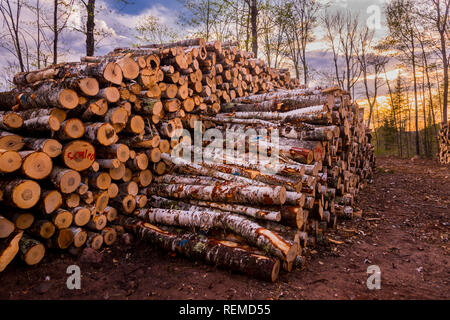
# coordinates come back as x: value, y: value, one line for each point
x: 55, y: 32
x: 90, y: 25
x: 31, y: 250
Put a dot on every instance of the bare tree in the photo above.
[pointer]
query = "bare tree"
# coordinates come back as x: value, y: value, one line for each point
x: 11, y: 12
x: 301, y: 18
x: 152, y: 30
x: 341, y: 36
x: 400, y: 19
x: 370, y: 64
x: 438, y: 13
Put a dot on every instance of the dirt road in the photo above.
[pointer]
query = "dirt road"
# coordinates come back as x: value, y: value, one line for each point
x: 404, y: 231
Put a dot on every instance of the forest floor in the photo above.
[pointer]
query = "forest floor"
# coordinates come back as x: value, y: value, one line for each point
x: 404, y: 231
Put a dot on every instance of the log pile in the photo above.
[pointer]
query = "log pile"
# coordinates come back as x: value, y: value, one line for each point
x: 94, y: 149
x: 444, y: 145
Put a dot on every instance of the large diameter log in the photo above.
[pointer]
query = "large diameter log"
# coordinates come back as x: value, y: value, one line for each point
x: 233, y: 193
x: 78, y: 155
x: 66, y: 180
x: 9, y: 248
x: 10, y: 161
x: 20, y: 193
x: 130, y: 69
x: 51, y: 147
x: 251, y: 231
x: 36, y: 165
x: 31, y: 250
x: 224, y: 254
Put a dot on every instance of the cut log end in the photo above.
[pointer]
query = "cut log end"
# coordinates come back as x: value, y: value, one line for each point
x: 32, y: 251
x: 26, y: 194
x: 68, y: 98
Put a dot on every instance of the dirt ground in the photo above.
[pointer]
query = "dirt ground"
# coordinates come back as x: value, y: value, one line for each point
x: 404, y: 231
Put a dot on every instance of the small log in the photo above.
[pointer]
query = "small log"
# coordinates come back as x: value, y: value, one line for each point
x: 9, y: 248
x: 51, y: 147
x: 10, y: 161
x: 66, y: 180
x: 50, y: 201
x: 43, y: 229
x: 31, y: 250
x: 81, y: 216
x: 21, y: 219
x: 79, y: 236
x: 6, y: 227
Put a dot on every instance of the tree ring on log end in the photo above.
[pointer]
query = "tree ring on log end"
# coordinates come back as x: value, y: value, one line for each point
x: 79, y: 155
x: 26, y: 194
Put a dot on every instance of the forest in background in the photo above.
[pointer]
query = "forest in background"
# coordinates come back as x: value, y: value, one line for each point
x: 394, y: 61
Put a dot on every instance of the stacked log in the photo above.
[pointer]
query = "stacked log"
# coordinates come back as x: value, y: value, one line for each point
x: 444, y: 145
x: 90, y: 148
